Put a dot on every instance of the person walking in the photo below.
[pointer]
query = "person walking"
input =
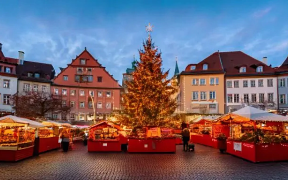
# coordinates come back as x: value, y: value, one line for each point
x: 65, y: 141
x: 185, y: 138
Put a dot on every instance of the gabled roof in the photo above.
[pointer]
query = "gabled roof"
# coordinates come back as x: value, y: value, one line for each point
x: 234, y: 60
x: 283, y: 68
x: 214, y: 66
x: 46, y: 71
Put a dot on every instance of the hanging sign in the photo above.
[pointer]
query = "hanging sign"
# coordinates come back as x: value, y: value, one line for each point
x: 104, y: 144
x: 237, y: 146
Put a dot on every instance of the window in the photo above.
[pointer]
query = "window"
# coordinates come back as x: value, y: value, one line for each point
x: 82, y: 93
x: 205, y: 66
x: 260, y: 83
x: 236, y: 98
x: 212, y: 95
x: 44, y: 88
x: 64, y: 92
x: 229, y: 98
x: 246, y: 98
x: 108, y: 94
x: 8, y: 70
x: 30, y: 74
x: 72, y: 103
x: 245, y: 83
x: 82, y: 104
x: 82, y: 61
x: 193, y: 67
x: 90, y: 105
x: 261, y: 98
x: 236, y: 84
x: 56, y: 91
x: 72, y: 116
x: 203, y: 95
x: 195, y: 82
x: 282, y: 99
x: 91, y: 93
x: 253, y: 84
x: 65, y: 78
x: 212, y: 106
x: 253, y: 98
x: 259, y: 69
x: 77, y: 78
x: 81, y: 117
x: 79, y: 70
x: 6, y: 83
x: 72, y: 92
x: 282, y: 82
x: 99, y: 78
x: 35, y: 87
x: 63, y: 103
x: 202, y: 81
x: 99, y: 93
x: 99, y: 105
x: 270, y: 97
x: 37, y: 75
x: 242, y: 69
x: 195, y: 95
x: 55, y: 116
x: 6, y: 99
x: 217, y: 81
x: 26, y: 87
x: 108, y: 105
x: 212, y: 81
x: 270, y: 82
x: 89, y: 69
x: 90, y: 78
x: 229, y: 84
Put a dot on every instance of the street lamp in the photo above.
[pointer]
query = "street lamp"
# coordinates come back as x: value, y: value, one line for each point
x: 94, y: 112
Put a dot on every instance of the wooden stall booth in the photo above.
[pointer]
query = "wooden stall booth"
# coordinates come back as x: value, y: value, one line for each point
x: 17, y: 136
x: 105, y: 136
x: 257, y: 135
x: 151, y: 139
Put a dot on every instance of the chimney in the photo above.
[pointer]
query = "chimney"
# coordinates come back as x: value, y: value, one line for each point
x: 264, y: 60
x: 0, y: 46
x: 21, y: 57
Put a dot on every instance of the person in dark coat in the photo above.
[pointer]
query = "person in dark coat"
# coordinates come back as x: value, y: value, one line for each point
x: 185, y: 138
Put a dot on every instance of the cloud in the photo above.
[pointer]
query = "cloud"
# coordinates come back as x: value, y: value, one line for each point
x: 261, y: 13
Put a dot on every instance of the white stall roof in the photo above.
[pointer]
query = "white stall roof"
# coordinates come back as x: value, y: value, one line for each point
x: 15, y: 119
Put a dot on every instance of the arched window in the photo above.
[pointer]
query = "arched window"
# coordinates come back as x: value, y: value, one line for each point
x: 242, y: 69
x: 205, y: 66
x: 193, y: 67
x: 259, y: 69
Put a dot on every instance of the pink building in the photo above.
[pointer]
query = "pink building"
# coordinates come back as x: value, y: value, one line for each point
x: 84, y: 83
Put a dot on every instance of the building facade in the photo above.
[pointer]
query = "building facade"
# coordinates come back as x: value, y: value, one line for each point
x: 88, y: 88
x: 202, y: 87
x: 8, y: 82
x: 282, y: 73
x: 248, y: 82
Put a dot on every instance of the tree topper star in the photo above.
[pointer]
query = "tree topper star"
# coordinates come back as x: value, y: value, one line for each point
x: 149, y: 28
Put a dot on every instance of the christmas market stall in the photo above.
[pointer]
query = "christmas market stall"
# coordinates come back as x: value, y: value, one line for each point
x: 105, y: 136
x: 257, y: 135
x: 17, y: 136
x: 152, y: 139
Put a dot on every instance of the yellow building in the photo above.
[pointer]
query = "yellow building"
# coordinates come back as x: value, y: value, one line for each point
x: 202, y: 87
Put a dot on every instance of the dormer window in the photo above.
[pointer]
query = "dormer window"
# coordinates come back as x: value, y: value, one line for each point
x: 82, y: 61
x: 205, y: 66
x: 259, y: 69
x: 37, y: 75
x: 30, y: 74
x: 242, y: 69
x: 193, y: 68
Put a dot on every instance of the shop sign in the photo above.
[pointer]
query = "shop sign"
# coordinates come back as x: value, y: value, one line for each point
x: 145, y: 145
x: 237, y: 146
x: 104, y: 144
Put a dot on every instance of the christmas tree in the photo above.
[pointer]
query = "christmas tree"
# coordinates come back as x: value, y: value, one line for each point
x: 148, y: 101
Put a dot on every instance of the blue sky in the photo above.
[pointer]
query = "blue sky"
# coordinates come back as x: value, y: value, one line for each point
x: 113, y: 30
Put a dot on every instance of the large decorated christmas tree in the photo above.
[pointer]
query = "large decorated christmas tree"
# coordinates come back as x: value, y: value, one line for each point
x: 148, y: 101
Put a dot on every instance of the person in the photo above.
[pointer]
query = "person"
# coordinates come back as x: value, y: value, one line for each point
x: 65, y: 140
x: 185, y: 138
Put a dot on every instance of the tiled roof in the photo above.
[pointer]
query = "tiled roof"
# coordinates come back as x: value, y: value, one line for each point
x: 283, y: 67
x: 46, y: 71
x: 214, y: 66
x: 232, y: 61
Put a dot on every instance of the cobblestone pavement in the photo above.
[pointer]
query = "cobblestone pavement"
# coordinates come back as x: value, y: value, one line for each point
x: 204, y: 163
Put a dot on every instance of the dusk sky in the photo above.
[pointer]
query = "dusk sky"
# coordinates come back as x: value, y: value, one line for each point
x: 113, y: 30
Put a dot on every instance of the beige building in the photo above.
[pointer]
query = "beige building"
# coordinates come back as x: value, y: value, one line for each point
x: 202, y: 87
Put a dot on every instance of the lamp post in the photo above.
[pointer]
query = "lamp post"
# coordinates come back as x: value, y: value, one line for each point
x: 94, y: 112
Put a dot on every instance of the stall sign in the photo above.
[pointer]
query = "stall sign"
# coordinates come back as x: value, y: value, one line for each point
x: 104, y: 144
x: 145, y: 145
x: 237, y: 146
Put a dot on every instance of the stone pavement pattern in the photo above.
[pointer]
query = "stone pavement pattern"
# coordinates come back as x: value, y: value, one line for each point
x: 204, y: 163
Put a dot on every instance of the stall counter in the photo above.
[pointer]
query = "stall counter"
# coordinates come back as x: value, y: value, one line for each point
x: 15, y: 153
x: 104, y: 145
x: 49, y: 143
x: 151, y: 145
